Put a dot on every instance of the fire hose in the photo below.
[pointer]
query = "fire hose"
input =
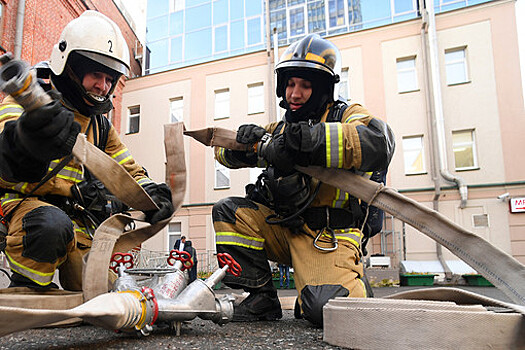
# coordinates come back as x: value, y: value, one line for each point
x: 134, y: 308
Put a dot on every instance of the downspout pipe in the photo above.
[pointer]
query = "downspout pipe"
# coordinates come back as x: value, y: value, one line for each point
x: 435, y: 156
x: 439, y: 120
x: 19, y: 31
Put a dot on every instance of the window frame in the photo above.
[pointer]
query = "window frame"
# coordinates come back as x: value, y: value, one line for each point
x: 454, y: 62
x: 421, y: 150
x: 129, y: 118
x: 170, y: 234
x: 181, y: 109
x: 256, y: 100
x: 219, y: 168
x: 472, y: 144
x: 224, y: 103
x: 407, y: 70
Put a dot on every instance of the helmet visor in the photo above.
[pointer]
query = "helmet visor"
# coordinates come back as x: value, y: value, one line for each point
x: 107, y: 61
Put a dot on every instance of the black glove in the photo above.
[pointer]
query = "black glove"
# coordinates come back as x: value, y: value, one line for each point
x: 48, y: 132
x: 161, y: 195
x: 274, y: 152
x: 250, y: 134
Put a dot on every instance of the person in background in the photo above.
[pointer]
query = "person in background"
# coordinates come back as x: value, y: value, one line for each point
x: 284, y: 273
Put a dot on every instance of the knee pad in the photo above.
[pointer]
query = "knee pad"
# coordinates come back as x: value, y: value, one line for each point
x: 224, y: 210
x: 313, y: 299
x: 48, y: 232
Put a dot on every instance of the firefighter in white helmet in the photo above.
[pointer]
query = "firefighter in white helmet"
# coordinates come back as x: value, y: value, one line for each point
x: 47, y: 229
x: 287, y: 216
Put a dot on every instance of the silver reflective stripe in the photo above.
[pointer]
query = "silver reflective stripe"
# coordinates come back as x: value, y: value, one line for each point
x: 145, y: 181
x: 352, y: 235
x: 10, y: 111
x: 233, y: 238
x: 10, y: 197
x: 355, y: 116
x: 341, y: 198
x: 122, y: 156
x: 334, y: 145
x: 67, y: 173
x: 41, y: 278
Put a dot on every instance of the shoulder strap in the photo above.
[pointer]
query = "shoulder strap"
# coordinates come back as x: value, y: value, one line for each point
x: 103, y: 131
x: 336, y: 111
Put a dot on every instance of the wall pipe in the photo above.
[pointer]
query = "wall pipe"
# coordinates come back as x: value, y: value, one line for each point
x: 438, y: 108
x: 19, y: 31
x: 434, y: 138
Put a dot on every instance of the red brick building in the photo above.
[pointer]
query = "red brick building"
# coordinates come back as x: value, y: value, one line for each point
x: 43, y: 22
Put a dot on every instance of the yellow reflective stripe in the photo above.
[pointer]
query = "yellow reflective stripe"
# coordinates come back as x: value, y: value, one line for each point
x: 144, y: 181
x: 122, y: 156
x: 41, y: 278
x: 334, y: 145
x: 11, y: 106
x: 234, y: 238
x: 341, y: 198
x: 354, y: 117
x: 10, y: 197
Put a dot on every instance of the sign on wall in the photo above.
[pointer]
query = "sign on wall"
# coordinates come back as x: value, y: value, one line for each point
x: 517, y: 205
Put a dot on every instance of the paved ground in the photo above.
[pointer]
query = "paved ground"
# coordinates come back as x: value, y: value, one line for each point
x: 288, y: 333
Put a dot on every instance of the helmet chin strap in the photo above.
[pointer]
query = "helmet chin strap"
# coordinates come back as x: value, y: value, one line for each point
x: 78, y: 97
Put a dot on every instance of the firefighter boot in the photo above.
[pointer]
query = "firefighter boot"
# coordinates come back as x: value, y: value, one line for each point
x: 261, y: 305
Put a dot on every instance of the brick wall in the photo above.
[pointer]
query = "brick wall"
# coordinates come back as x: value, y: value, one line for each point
x: 43, y: 23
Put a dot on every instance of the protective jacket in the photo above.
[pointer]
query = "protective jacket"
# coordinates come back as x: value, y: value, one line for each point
x: 31, y: 250
x: 357, y: 142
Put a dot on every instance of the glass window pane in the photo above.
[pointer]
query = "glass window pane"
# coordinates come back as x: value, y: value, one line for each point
x: 464, y: 149
x: 253, y: 8
x: 406, y: 75
x: 203, y: 49
x: 403, y: 6
x: 220, y: 11
x: 236, y: 9
x: 159, y: 53
x: 176, y: 110
x: 157, y: 8
x: 296, y: 16
x: 193, y: 2
x: 222, y: 104
x: 222, y: 176
x: 198, y: 17
x: 375, y: 12
x: 316, y: 17
x: 176, y: 21
x: 157, y: 28
x: 336, y: 13
x: 413, y: 155
x: 176, y: 49
x: 254, y: 31
x: 256, y: 98
x: 344, y: 89
x: 237, y: 35
x: 278, y: 20
x: 456, y: 66
x: 221, y: 38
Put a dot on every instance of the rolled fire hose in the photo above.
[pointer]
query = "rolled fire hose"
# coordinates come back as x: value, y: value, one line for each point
x: 426, y: 324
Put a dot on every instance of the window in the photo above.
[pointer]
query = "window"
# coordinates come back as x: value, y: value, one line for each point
x: 222, y: 103
x: 336, y: 13
x: 297, y: 21
x: 414, y: 155
x: 406, y: 74
x: 255, y: 98
x: 222, y: 176
x: 133, y: 120
x: 174, y: 233
x: 463, y: 144
x: 456, y: 66
x: 344, y: 87
x: 176, y: 110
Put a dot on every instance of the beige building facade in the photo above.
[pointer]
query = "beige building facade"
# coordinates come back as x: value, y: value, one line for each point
x: 482, y: 123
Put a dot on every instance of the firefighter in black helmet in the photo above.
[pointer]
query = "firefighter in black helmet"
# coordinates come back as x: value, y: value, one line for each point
x: 46, y: 229
x: 287, y: 216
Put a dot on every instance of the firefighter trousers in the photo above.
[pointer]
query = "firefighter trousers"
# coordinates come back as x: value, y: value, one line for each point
x: 41, y: 238
x: 241, y: 231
